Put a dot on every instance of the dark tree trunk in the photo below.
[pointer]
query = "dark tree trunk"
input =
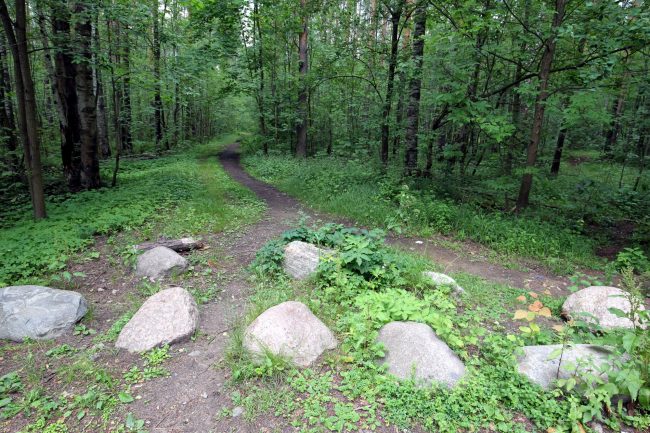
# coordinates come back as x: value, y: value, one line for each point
x: 257, y: 32
x: 540, y: 102
x: 102, y: 118
x: 65, y: 80
x: 86, y: 105
x: 559, y: 147
x: 617, y: 111
x: 413, y: 110
x: 157, y: 99
x: 7, y: 123
x: 17, y: 40
x: 303, y: 92
x: 395, y: 17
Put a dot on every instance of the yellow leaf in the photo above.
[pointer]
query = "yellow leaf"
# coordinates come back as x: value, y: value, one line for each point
x: 546, y: 312
x: 521, y: 298
x: 582, y: 429
x: 547, y: 292
x: 535, y: 306
x: 551, y: 430
x: 531, y: 316
x: 558, y: 328
x: 521, y: 314
x: 533, y: 294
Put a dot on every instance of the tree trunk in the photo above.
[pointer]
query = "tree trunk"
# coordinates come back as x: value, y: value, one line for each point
x: 413, y: 110
x: 157, y: 99
x: 65, y: 83
x: 86, y: 105
x: 102, y: 120
x: 559, y: 147
x: 303, y: 92
x: 540, y: 102
x: 395, y: 17
x: 617, y: 111
x: 18, y: 43
x: 7, y: 123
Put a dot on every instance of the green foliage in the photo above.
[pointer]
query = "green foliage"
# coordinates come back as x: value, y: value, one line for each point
x: 180, y: 194
x: 633, y: 258
x: 360, y: 191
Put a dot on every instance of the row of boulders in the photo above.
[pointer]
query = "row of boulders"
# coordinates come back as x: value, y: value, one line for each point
x: 291, y: 330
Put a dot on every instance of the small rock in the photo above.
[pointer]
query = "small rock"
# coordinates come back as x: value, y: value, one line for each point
x: 100, y: 289
x: 237, y: 411
x: 301, y: 259
x: 593, y: 303
x: 413, y: 350
x: 38, y: 312
x: 289, y: 329
x: 159, y: 262
x: 204, y: 395
x: 167, y: 317
x: 419, y: 242
x: 439, y: 279
x: 536, y: 365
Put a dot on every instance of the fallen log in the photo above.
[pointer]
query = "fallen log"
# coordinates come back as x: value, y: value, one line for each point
x: 178, y: 245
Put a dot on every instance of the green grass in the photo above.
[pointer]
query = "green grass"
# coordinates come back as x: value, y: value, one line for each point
x: 355, y: 189
x: 180, y: 194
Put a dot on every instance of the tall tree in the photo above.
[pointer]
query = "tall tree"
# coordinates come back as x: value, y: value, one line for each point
x: 86, y: 105
x: 413, y: 109
x: 157, y: 98
x: 395, y: 11
x: 540, y: 104
x: 303, y: 90
x: 16, y: 32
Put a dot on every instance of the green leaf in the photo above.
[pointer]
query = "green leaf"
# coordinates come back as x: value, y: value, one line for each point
x: 125, y: 397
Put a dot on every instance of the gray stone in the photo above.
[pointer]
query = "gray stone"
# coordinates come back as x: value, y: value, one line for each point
x: 414, y: 351
x: 301, y: 259
x: 290, y: 330
x: 159, y: 262
x: 536, y: 365
x: 38, y: 312
x: 167, y: 317
x: 439, y: 279
x: 237, y: 411
x: 593, y: 303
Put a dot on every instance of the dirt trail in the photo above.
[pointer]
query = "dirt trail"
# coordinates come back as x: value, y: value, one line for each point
x: 192, y: 399
x: 473, y: 260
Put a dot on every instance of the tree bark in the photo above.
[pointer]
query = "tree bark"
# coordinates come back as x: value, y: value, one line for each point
x: 7, y: 123
x: 157, y: 99
x: 86, y: 105
x: 395, y: 17
x: 303, y: 92
x: 65, y: 83
x: 415, y: 86
x: 17, y: 40
x: 102, y: 119
x: 540, y: 102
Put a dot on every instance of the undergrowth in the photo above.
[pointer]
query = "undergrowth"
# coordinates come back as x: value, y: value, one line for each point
x: 560, y: 233
x: 363, y: 285
x: 179, y: 194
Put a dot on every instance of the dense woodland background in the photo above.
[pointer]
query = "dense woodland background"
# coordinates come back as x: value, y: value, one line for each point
x: 514, y: 107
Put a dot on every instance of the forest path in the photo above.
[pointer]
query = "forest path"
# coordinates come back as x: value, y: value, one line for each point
x: 471, y: 258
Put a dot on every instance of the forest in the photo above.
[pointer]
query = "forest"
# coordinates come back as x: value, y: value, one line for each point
x: 503, y: 142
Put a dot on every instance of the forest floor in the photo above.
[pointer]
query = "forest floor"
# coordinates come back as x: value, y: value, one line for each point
x: 194, y: 393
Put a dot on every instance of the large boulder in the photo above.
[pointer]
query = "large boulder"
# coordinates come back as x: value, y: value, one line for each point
x: 159, y: 262
x: 439, y: 279
x: 301, y: 259
x: 167, y: 317
x: 414, y: 351
x: 535, y: 363
x: 289, y: 330
x: 38, y: 312
x: 593, y: 303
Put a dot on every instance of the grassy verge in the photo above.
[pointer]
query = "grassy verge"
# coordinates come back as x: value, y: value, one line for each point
x: 180, y: 194
x: 357, y: 190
